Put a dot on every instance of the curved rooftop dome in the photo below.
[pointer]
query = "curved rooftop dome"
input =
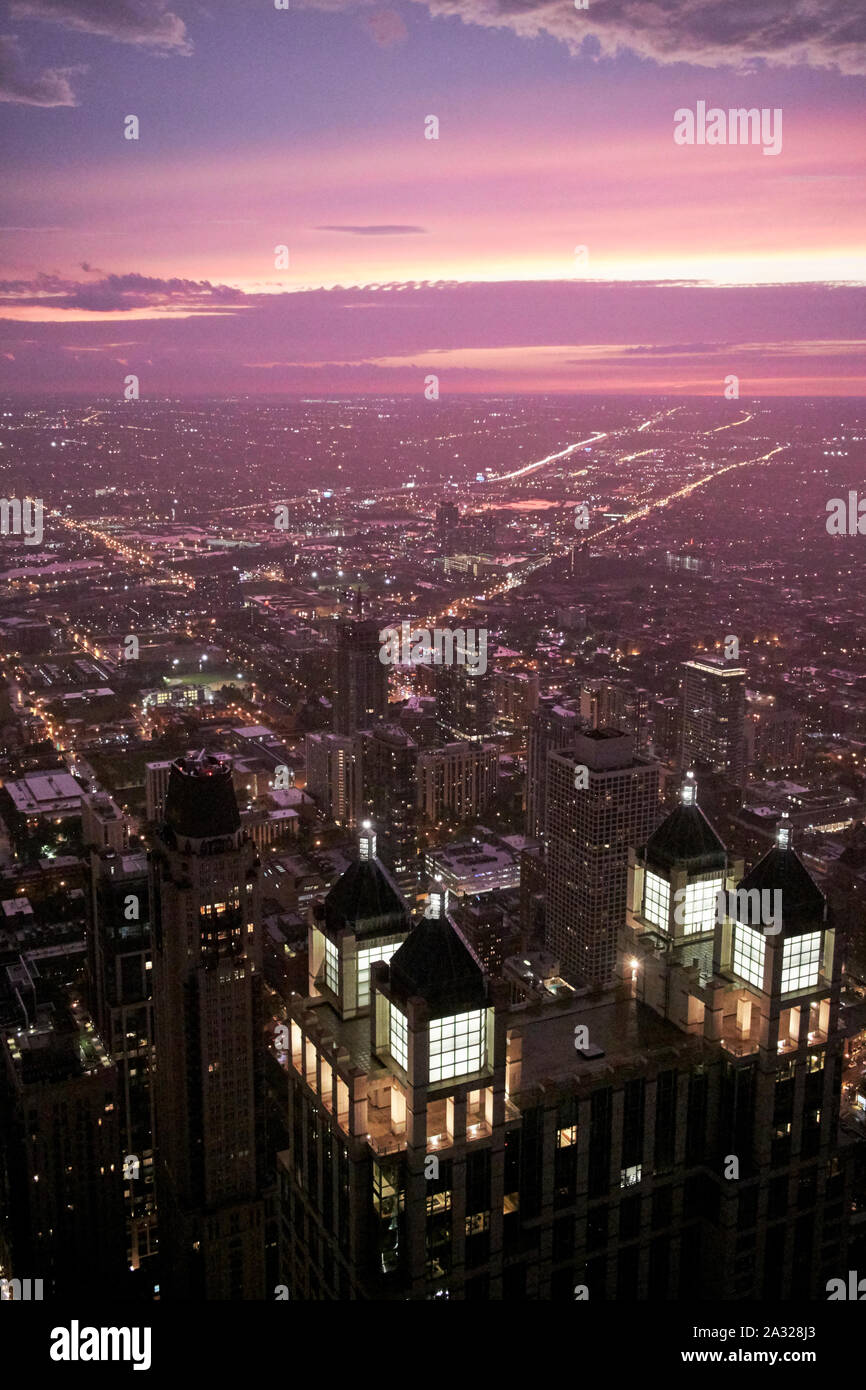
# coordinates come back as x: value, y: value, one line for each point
x: 200, y: 801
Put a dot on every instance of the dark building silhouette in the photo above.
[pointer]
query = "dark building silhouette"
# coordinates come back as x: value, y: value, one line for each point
x: 61, y: 1148
x: 120, y: 995
x: 360, y: 678
x: 207, y: 953
x: 464, y: 703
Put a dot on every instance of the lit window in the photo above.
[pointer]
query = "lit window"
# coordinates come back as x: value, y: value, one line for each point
x: 365, y: 960
x: 657, y: 900
x: 457, y: 1045
x: 750, y: 945
x: 801, y: 957
x: 699, y: 909
x: 566, y: 1137
x: 398, y: 1041
x: 629, y: 1177
x: 332, y: 966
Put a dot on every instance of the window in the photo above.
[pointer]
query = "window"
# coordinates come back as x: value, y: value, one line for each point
x: 657, y: 900
x: 398, y: 1041
x: 629, y: 1177
x: 699, y: 909
x: 566, y: 1137
x: 749, y: 947
x: 365, y: 960
x: 457, y: 1045
x: 800, y: 961
x: 332, y: 966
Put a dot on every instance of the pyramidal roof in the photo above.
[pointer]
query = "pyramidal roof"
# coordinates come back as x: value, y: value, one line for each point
x: 782, y: 869
x: 686, y: 836
x: 365, y: 900
x: 435, y: 963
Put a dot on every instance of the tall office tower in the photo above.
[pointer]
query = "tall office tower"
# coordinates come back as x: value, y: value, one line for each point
x: 390, y: 759
x: 553, y: 725
x: 456, y: 1144
x: 589, y: 832
x: 456, y: 782
x: 666, y: 725
x: 769, y: 1001
x: 362, y: 919
x: 360, y: 678
x: 207, y: 956
x: 155, y: 788
x: 102, y: 823
x: 334, y: 776
x: 60, y: 1143
x: 119, y: 988
x: 447, y: 521
x: 714, y: 712
x: 515, y: 697
x: 464, y: 703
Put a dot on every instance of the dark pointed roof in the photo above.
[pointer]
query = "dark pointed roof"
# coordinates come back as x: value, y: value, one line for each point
x: 365, y: 900
x: 686, y: 837
x: 200, y: 800
x: 803, y: 903
x: 435, y: 963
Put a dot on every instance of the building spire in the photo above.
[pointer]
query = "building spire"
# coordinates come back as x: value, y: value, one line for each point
x: 367, y: 841
x: 783, y: 832
x: 689, y: 790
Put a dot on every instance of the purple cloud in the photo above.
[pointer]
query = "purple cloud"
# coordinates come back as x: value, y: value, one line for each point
x: 147, y: 23
x: 50, y: 87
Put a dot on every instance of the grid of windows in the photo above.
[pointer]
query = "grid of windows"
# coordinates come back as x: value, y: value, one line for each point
x: 365, y: 960
x: 457, y: 1045
x: 657, y: 900
x: 398, y: 1041
x: 750, y: 945
x: 699, y: 909
x: 332, y: 966
x: 801, y: 958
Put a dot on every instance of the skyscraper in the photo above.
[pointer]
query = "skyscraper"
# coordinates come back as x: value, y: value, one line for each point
x: 552, y: 726
x: 120, y: 980
x: 713, y: 721
x: 334, y: 776
x: 464, y: 703
x: 360, y: 678
x: 601, y: 799
x: 209, y: 1039
x: 390, y: 758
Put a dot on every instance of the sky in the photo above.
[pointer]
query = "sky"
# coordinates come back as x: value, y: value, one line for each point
x: 555, y: 236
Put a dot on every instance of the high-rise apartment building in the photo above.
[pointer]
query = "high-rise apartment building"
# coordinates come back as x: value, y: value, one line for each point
x: 553, y: 725
x: 334, y: 776
x: 456, y: 782
x: 713, y: 718
x: 390, y: 758
x: 464, y: 703
x: 207, y: 957
x: 360, y: 678
x: 601, y: 798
